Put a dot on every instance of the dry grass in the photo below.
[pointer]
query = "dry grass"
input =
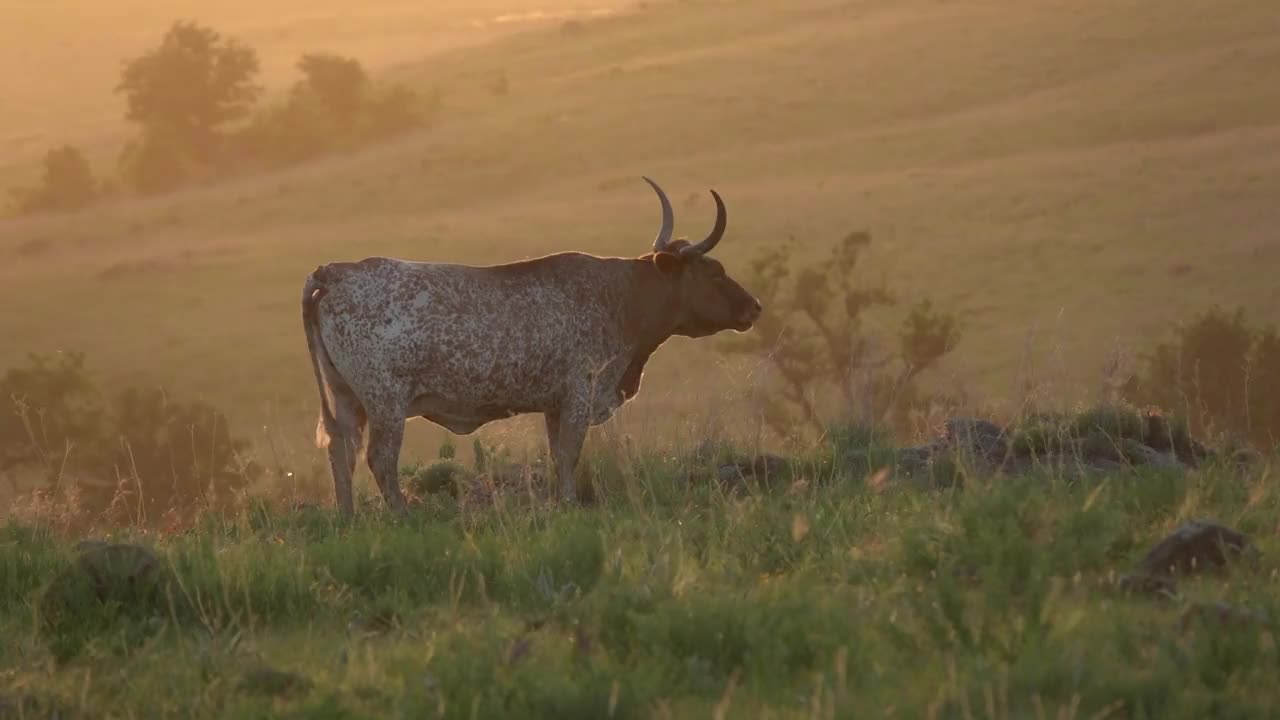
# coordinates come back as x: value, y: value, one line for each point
x: 1087, y: 171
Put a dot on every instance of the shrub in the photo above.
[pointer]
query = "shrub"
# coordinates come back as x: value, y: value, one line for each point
x: 154, y: 163
x: 171, y: 458
x: 334, y: 108
x: 141, y: 458
x: 811, y: 334
x: 50, y: 409
x: 1222, y: 372
x: 67, y: 184
x: 340, y: 84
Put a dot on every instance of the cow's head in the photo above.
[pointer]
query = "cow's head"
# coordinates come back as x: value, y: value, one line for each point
x: 709, y: 300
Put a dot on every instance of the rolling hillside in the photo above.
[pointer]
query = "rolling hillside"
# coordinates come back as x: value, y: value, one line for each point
x: 1071, y: 176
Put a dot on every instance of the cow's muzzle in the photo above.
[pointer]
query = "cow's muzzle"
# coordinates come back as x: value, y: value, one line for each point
x: 748, y: 317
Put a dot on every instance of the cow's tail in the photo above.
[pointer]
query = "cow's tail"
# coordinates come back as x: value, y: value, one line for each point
x: 312, y: 291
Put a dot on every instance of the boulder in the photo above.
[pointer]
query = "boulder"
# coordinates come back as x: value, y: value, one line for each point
x: 1196, y: 546
x: 980, y: 437
x: 764, y: 469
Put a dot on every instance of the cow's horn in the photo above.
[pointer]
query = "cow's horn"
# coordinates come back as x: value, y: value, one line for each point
x: 717, y: 232
x: 668, y: 218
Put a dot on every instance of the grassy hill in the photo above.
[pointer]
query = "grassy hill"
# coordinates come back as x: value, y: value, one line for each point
x: 1071, y: 176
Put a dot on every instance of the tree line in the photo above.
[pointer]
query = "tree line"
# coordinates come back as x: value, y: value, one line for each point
x: 198, y: 108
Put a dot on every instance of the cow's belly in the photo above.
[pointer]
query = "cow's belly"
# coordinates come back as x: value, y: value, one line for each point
x: 463, y: 416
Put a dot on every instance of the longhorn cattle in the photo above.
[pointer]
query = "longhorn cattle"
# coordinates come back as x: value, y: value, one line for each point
x: 566, y: 335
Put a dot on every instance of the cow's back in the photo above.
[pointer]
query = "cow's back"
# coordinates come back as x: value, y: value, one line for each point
x: 482, y: 336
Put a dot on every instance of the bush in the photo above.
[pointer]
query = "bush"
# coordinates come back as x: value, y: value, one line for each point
x: 170, y: 458
x: 67, y: 184
x: 50, y: 409
x: 811, y: 334
x: 334, y: 108
x: 1219, y: 371
x: 141, y: 458
x: 154, y: 163
x: 340, y: 84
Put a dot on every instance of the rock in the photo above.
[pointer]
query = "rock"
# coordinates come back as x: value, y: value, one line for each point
x: 1223, y: 614
x: 915, y: 460
x: 131, y: 575
x: 1193, y: 547
x: 1139, y: 454
x: 763, y: 469
x: 981, y: 437
x: 1167, y: 435
x: 269, y: 681
x: 1160, y: 586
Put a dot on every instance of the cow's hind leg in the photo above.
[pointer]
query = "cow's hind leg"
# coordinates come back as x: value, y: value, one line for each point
x: 386, y: 435
x: 344, y: 446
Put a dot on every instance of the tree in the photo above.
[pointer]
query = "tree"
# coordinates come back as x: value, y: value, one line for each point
x: 1221, y: 372
x: 50, y: 412
x: 67, y: 184
x: 154, y: 163
x: 191, y: 87
x: 339, y: 83
x: 811, y: 334
x: 142, y: 458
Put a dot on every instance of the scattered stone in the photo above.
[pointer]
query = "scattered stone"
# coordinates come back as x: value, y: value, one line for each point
x: 975, y: 435
x: 1158, y: 586
x: 1139, y: 454
x: 131, y: 575
x: 763, y: 469
x: 1193, y: 547
x: 915, y: 460
x: 1223, y: 614
x: 1166, y: 435
x: 276, y: 683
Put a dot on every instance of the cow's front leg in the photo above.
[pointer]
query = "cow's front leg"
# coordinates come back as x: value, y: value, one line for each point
x: 566, y: 431
x: 386, y: 435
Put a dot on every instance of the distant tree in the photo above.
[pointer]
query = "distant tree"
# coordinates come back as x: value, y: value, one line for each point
x: 50, y: 411
x: 339, y: 83
x: 67, y: 184
x: 1221, y: 372
x: 141, y: 458
x: 396, y: 110
x: 171, y: 458
x: 191, y: 87
x: 812, y: 336
x: 155, y: 163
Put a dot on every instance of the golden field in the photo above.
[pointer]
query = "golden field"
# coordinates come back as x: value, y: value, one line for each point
x: 1071, y: 176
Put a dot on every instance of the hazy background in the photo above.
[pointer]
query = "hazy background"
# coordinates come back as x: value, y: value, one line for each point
x: 1070, y: 177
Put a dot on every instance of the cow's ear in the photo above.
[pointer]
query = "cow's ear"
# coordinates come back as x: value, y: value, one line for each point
x: 667, y: 262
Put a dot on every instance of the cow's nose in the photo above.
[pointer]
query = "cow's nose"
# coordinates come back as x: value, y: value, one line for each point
x: 756, y: 308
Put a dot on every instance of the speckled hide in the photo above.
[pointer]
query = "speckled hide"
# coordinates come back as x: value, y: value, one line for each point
x: 566, y: 335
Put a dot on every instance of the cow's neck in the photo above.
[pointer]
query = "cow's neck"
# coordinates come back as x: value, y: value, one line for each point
x: 652, y: 317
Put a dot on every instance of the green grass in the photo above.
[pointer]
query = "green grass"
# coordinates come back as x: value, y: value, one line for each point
x: 1071, y: 177
x: 829, y: 597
